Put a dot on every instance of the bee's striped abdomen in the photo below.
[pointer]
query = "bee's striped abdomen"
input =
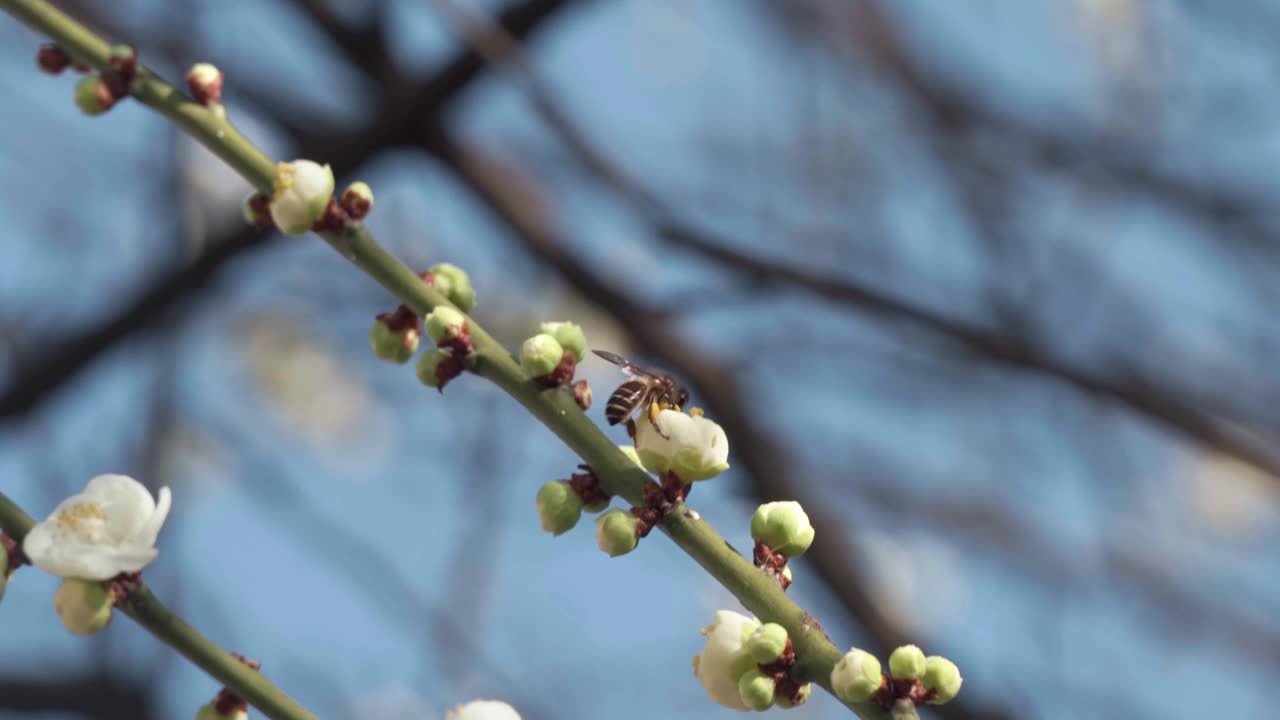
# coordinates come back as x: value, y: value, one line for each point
x: 624, y: 401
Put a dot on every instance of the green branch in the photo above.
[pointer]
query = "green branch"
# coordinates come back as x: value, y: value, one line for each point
x: 150, y: 613
x: 759, y: 593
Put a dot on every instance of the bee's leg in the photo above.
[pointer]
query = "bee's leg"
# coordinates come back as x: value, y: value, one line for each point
x: 654, y: 409
x: 631, y: 429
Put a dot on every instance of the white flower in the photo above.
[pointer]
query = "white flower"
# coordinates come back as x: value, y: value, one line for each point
x: 694, y: 448
x: 108, y: 529
x: 300, y: 195
x: 484, y: 710
x: 724, y: 659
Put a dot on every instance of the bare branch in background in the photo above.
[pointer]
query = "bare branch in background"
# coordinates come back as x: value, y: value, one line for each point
x: 36, y: 378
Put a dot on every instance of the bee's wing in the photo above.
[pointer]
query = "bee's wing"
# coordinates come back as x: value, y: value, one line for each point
x: 627, y: 366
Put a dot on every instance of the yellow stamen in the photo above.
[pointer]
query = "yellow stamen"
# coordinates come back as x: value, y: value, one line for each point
x: 77, y: 515
x: 695, y: 411
x: 284, y: 178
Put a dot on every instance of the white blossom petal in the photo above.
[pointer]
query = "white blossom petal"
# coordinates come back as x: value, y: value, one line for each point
x: 724, y: 658
x: 484, y: 710
x: 691, y: 446
x: 107, y: 529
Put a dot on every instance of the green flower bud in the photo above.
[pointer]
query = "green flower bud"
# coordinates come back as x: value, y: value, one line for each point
x: 570, y: 337
x: 857, y: 676
x: 120, y: 54
x: 907, y: 663
x: 83, y: 605
x: 93, y: 97
x: 768, y: 643
x: 616, y: 532
x: 756, y: 689
x: 210, y: 712
x: 444, y: 324
x: 943, y: 677
x: 454, y: 283
x: 802, y: 696
x: 300, y: 195
x: 205, y: 83
x: 559, y: 507
x: 540, y: 355
x: 395, y: 346
x: 357, y: 199
x: 783, y: 526
x: 430, y: 371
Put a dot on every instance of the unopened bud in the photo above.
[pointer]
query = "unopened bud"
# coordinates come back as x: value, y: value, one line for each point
x: 907, y: 663
x: 942, y: 677
x: 783, y: 526
x: 52, y: 59
x: 767, y: 643
x: 454, y: 283
x: 582, y: 395
x: 93, y: 97
x: 357, y: 200
x: 569, y: 335
x: 756, y: 689
x: 205, y: 83
x: 800, y: 697
x: 437, y: 367
x: 559, y: 507
x: 84, y: 606
x: 616, y: 532
x: 857, y: 676
x: 540, y: 355
x: 444, y: 324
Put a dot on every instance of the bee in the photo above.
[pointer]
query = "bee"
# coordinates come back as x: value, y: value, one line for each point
x: 644, y: 389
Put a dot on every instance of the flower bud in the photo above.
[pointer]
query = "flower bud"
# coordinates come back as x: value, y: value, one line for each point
x: 783, y: 526
x: 357, y: 199
x: 52, y: 59
x: 437, y: 367
x: 123, y: 59
x: 205, y: 83
x: 756, y: 689
x: 942, y: 677
x: 569, y: 335
x: 768, y: 643
x: 559, y: 507
x: 300, y: 194
x: 857, y: 676
x: 211, y: 712
x: 800, y: 698
x: 444, y: 324
x: 4, y: 569
x: 83, y: 605
x: 616, y: 532
x: 454, y: 283
x: 582, y: 395
x: 395, y: 346
x: 907, y: 663
x: 93, y: 97
x: 256, y: 210
x: 540, y: 355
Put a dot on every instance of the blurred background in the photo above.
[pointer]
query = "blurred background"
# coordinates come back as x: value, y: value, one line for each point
x: 984, y: 285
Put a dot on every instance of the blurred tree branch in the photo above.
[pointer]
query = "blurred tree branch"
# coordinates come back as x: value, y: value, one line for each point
x: 101, y: 695
x: 37, y: 377
x: 1159, y: 405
